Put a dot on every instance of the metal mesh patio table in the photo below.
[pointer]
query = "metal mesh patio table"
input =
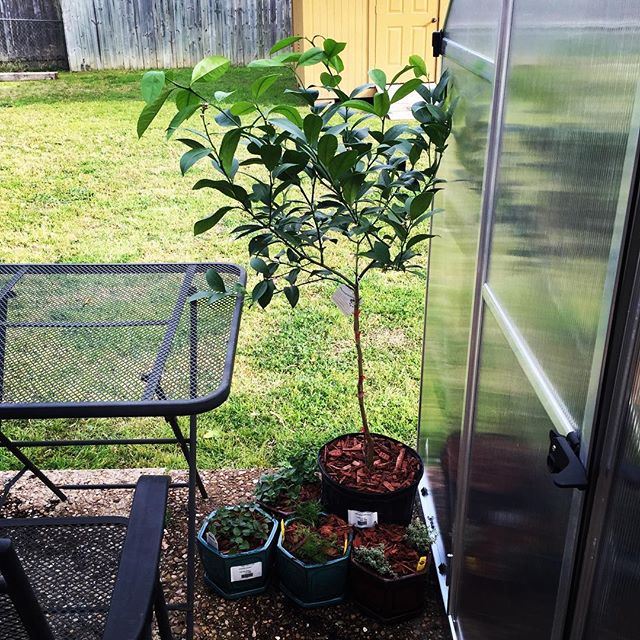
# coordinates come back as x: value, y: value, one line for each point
x: 116, y: 340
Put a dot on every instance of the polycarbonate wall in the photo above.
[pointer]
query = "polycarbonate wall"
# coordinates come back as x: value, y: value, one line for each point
x: 614, y: 611
x: 531, y: 335
x: 452, y: 257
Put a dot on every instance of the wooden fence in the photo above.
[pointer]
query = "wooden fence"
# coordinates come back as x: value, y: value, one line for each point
x: 147, y: 34
x: 31, y: 34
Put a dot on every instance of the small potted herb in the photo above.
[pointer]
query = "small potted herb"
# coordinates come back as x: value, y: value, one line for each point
x: 236, y: 547
x: 389, y: 567
x: 313, y: 556
x: 279, y: 493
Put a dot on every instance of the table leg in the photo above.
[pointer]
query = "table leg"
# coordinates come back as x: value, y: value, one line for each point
x: 191, y: 542
x: 177, y: 432
x: 5, y: 442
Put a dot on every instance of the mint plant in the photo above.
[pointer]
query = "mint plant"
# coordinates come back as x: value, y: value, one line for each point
x: 239, y: 528
x: 339, y: 175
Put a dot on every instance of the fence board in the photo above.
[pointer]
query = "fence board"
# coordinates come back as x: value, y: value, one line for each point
x: 31, y: 33
x: 146, y: 34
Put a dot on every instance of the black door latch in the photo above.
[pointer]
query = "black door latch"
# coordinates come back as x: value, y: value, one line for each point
x: 564, y: 461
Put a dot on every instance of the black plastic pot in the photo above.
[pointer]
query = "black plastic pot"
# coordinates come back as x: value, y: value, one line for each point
x: 240, y: 574
x: 392, y: 507
x: 388, y: 600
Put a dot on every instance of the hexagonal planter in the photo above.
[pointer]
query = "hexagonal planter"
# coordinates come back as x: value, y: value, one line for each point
x: 239, y: 574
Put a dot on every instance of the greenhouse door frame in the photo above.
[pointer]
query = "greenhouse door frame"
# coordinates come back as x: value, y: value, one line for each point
x: 618, y: 328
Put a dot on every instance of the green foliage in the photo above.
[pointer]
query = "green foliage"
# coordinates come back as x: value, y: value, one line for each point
x: 421, y: 536
x: 316, y: 549
x: 284, y: 485
x: 242, y: 527
x: 375, y: 559
x: 309, y: 512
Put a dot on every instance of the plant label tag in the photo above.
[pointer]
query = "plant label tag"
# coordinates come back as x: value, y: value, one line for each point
x: 211, y: 540
x: 362, y: 519
x: 344, y: 299
x: 246, y: 571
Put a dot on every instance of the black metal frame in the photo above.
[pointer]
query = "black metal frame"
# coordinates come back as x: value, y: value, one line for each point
x: 154, y: 402
x: 137, y: 592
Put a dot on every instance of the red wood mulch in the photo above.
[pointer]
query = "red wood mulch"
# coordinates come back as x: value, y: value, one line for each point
x: 394, y: 466
x: 402, y: 558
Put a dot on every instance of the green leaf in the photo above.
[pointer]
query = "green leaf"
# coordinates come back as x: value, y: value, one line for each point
x: 342, y: 163
x: 228, y: 148
x: 219, y: 96
x: 180, y: 117
x: 312, y: 126
x: 270, y: 154
x: 328, y: 80
x: 311, y: 56
x: 214, y: 280
x: 381, y: 104
x: 259, y: 265
x: 420, y: 203
x: 262, y: 84
x: 150, y: 112
x: 379, y: 78
x: 284, y: 43
x: 266, y: 297
x: 259, y: 290
x: 421, y: 237
x: 242, y: 108
x: 380, y: 252
x: 234, y: 191
x: 208, y: 223
x: 293, y: 295
x: 327, y: 147
x: 407, y: 88
x: 361, y: 105
x: 191, y: 157
x: 336, y: 64
x: 184, y: 98
x: 151, y: 85
x: 419, y: 65
x: 333, y: 48
x: 210, y: 69
x: 289, y: 112
x: 265, y: 62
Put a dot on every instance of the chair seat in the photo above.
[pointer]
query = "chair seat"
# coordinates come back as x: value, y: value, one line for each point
x: 72, y: 565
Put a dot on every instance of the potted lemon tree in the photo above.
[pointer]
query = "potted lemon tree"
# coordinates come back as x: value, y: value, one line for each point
x: 340, y: 174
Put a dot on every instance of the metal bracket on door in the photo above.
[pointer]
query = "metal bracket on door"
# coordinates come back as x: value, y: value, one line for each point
x: 564, y: 462
x: 437, y: 41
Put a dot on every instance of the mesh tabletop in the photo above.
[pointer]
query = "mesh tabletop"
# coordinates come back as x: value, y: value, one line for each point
x: 114, y: 340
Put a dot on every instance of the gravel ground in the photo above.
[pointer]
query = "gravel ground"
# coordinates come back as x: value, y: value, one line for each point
x: 269, y: 616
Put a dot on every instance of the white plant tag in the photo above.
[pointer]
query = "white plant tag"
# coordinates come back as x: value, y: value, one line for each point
x: 211, y: 540
x: 362, y: 519
x: 246, y: 571
x: 344, y: 299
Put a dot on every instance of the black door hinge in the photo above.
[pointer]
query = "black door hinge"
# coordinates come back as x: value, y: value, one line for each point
x: 563, y: 461
x: 437, y: 40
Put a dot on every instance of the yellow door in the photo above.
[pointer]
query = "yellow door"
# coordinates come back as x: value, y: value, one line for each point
x: 402, y: 28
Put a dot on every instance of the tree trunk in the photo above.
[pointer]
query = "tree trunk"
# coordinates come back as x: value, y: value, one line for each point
x: 369, y: 449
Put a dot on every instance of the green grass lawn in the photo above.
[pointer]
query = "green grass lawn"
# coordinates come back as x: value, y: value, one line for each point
x: 77, y: 185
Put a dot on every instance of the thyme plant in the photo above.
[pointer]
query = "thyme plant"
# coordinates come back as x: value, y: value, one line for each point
x: 341, y: 174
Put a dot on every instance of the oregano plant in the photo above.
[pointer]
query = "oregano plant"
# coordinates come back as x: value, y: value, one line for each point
x: 311, y: 179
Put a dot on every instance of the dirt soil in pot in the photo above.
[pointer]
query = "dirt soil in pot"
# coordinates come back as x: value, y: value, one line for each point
x: 402, y: 558
x: 394, y: 466
x: 269, y: 616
